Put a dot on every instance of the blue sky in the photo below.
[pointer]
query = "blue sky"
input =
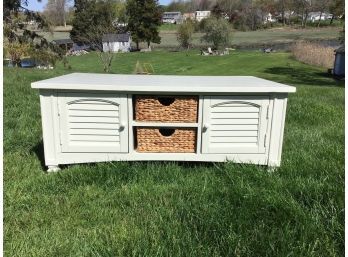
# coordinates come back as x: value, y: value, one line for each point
x: 35, y: 5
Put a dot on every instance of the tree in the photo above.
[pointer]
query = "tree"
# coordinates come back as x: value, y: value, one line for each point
x: 144, y: 20
x: 252, y: 14
x: 16, y: 51
x: 266, y: 7
x: 22, y: 41
x: 336, y: 7
x: 178, y: 6
x: 56, y: 11
x: 285, y: 8
x: 248, y: 14
x: 14, y: 13
x: 230, y: 7
x: 120, y: 12
x: 217, y: 31
x: 305, y: 7
x: 94, y: 19
x: 321, y: 6
x: 184, y: 33
x: 70, y: 15
x: 217, y: 11
x: 282, y: 7
x: 202, y: 5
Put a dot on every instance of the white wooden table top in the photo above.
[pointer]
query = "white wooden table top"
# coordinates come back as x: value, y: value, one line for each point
x: 163, y: 83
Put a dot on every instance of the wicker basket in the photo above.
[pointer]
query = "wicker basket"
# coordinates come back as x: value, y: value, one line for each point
x: 166, y: 108
x: 166, y: 140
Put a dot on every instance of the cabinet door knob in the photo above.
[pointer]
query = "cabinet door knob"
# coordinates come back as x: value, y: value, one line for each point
x: 122, y: 126
x: 205, y: 127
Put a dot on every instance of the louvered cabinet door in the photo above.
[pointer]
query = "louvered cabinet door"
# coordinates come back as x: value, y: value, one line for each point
x: 93, y: 122
x: 235, y: 124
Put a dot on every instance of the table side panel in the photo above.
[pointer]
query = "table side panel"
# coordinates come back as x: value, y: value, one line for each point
x: 50, y: 125
x: 277, y: 129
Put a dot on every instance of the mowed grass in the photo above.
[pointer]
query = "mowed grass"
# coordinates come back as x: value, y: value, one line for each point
x: 176, y: 208
x: 256, y: 39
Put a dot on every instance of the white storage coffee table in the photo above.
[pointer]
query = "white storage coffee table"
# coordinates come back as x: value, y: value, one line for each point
x: 103, y: 117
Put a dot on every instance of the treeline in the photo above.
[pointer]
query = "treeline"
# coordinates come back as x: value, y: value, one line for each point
x: 250, y: 14
x: 94, y: 19
x: 243, y: 14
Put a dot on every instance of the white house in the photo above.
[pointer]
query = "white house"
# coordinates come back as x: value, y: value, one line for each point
x: 172, y: 17
x: 315, y: 16
x: 268, y: 18
x: 200, y: 15
x: 116, y: 42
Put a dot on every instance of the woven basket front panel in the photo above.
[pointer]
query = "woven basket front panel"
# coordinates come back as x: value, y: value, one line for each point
x: 183, y: 109
x: 150, y: 140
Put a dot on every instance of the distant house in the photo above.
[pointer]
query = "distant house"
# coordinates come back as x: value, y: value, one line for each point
x: 189, y: 15
x: 315, y: 16
x: 287, y: 15
x: 172, y: 17
x: 339, y: 64
x: 200, y: 15
x: 116, y: 42
x: 81, y: 47
x: 65, y: 44
x: 30, y: 22
x: 118, y: 24
x: 268, y: 18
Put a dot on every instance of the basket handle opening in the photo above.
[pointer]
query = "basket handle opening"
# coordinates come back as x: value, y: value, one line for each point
x: 166, y: 132
x: 166, y: 101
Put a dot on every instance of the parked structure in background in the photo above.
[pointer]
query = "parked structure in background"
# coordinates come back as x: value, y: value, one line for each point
x: 200, y: 15
x: 65, y: 44
x: 117, y: 42
x: 316, y: 16
x: 28, y: 63
x: 189, y: 15
x: 172, y: 17
x: 339, y: 64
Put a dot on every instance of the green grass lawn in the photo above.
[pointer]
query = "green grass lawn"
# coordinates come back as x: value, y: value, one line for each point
x: 180, y: 209
x: 168, y: 27
x: 255, y: 39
